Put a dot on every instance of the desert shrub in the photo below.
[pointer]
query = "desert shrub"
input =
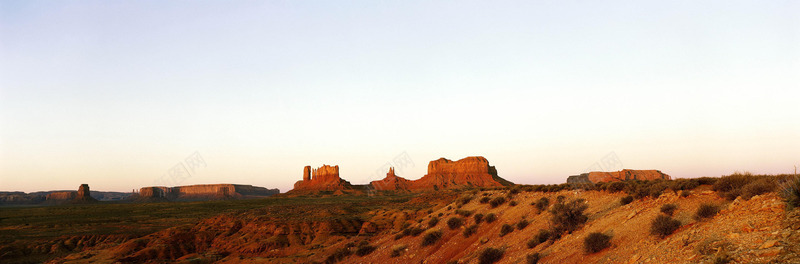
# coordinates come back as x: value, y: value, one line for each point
x: 722, y: 258
x: 663, y: 226
x: 706, y: 211
x: 470, y: 230
x: 656, y: 188
x: 731, y: 186
x: 617, y: 186
x: 542, y: 204
x: 684, y: 184
x: 440, y: 214
x: 790, y: 191
x: 669, y: 209
x: 757, y: 187
x: 512, y: 203
x: 542, y: 236
x: 434, y: 220
x: 398, y: 250
x: 338, y: 255
x: 478, y: 218
x: 463, y: 213
x: 490, y: 255
x: 505, y: 229
x: 490, y: 217
x: 685, y: 193
x: 596, y: 242
x: 455, y: 222
x: 626, y: 200
x: 364, y: 250
x: 484, y: 200
x: 568, y: 217
x: 533, y: 258
x: 452, y: 262
x: 560, y: 199
x: 431, y: 237
x: 522, y: 224
x: 514, y: 190
x: 465, y: 199
x: 706, y: 180
x: 497, y: 201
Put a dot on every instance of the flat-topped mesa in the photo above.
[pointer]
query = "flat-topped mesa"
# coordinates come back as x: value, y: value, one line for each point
x: 626, y: 175
x: 325, y: 178
x: 391, y: 182
x: 466, y: 172
x: 204, y: 191
x: 61, y: 196
x: 83, y: 194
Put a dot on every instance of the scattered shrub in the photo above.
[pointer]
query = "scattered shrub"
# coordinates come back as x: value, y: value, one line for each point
x: 626, y: 200
x: 490, y: 255
x: 617, y: 186
x: 512, y: 203
x: 470, y: 230
x: 669, y: 209
x: 490, y: 217
x: 452, y: 262
x: 364, y: 250
x: 478, y: 218
x: 463, y: 213
x: 484, y: 200
x: 338, y: 255
x: 434, y: 220
x: 542, y: 204
x: 455, y: 222
x: 465, y: 199
x: 505, y: 229
x: 440, y: 214
x: 497, y: 201
x: 663, y: 226
x: 560, y: 199
x: 522, y: 224
x: 730, y: 186
x: 790, y: 191
x: 540, y: 237
x: 706, y: 211
x: 722, y: 258
x: 596, y: 242
x: 532, y: 258
x: 758, y: 187
x: 568, y: 217
x: 431, y: 237
x: 685, y: 193
x: 398, y: 250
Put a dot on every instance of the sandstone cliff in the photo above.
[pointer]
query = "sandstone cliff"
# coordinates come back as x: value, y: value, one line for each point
x: 204, y: 191
x: 325, y: 178
x: 62, y: 196
x: 83, y: 194
x: 627, y: 175
x: 391, y: 182
x: 466, y: 172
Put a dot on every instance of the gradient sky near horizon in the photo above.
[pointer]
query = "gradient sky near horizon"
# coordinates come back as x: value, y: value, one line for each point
x: 116, y: 93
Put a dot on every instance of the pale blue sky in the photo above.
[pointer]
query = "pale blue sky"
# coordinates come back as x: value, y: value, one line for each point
x: 115, y: 93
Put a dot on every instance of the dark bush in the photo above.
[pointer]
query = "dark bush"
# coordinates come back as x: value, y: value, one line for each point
x: 465, y: 199
x: 684, y: 184
x: 542, y: 204
x: 512, y: 203
x: 463, y: 213
x: 416, y: 231
x: 669, y: 209
x: 706, y: 180
x: 568, y: 217
x: 455, y: 222
x: 364, y: 250
x: 790, y: 191
x: 758, y: 187
x: 539, y: 238
x: 532, y: 258
x: 497, y: 201
x: 431, y: 237
x: 615, y: 186
x: 560, y: 199
x: 338, y: 255
x: 490, y: 217
x: 522, y: 224
x: 706, y: 211
x: 505, y: 229
x: 596, y: 242
x: 686, y: 193
x: 490, y: 255
x: 434, y: 220
x: 656, y: 189
x: 663, y: 226
x: 397, y: 251
x: 484, y: 200
x: 478, y: 218
x: 626, y: 200
x: 731, y: 186
x: 470, y: 230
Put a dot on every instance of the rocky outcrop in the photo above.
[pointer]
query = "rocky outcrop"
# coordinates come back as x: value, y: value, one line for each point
x: 81, y: 196
x: 583, y: 178
x: 204, y: 191
x: 627, y: 175
x: 325, y: 178
x: 391, y: 182
x: 62, y: 196
x: 84, y: 194
x: 466, y: 172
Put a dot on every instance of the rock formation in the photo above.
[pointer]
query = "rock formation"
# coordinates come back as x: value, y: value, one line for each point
x: 391, y: 182
x: 623, y: 175
x: 62, y: 196
x: 205, y: 191
x: 325, y: 178
x: 83, y: 194
x: 466, y: 172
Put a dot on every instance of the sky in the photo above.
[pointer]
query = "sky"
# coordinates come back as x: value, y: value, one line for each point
x: 126, y: 94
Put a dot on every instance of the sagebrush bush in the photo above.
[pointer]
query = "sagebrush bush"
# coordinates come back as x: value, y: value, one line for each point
x: 522, y: 224
x: 478, y: 218
x: 706, y: 211
x: 484, y: 200
x: 669, y: 209
x: 790, y: 191
x: 532, y: 258
x: 685, y: 193
x: 617, y: 186
x: 364, y: 250
x: 491, y: 217
x: 465, y: 199
x: 731, y: 186
x: 539, y: 238
x: 470, y: 230
x: 568, y: 217
x: 505, y: 229
x: 431, y: 237
x: 626, y: 200
x: 490, y: 255
x: 596, y: 242
x: 663, y: 226
x: 464, y: 213
x: 434, y: 220
x: 497, y: 201
x: 398, y: 250
x: 542, y: 204
x: 338, y: 255
x: 512, y: 203
x: 758, y: 187
x: 455, y: 222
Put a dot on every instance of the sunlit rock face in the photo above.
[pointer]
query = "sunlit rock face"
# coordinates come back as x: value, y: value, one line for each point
x: 444, y: 173
x: 325, y: 178
x: 205, y: 191
x: 627, y: 175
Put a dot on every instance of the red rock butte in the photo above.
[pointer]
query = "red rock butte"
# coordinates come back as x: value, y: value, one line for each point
x: 627, y: 175
x: 82, y: 195
x: 205, y: 190
x: 325, y: 178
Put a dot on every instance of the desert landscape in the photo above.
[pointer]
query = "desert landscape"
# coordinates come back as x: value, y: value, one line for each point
x: 459, y: 212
